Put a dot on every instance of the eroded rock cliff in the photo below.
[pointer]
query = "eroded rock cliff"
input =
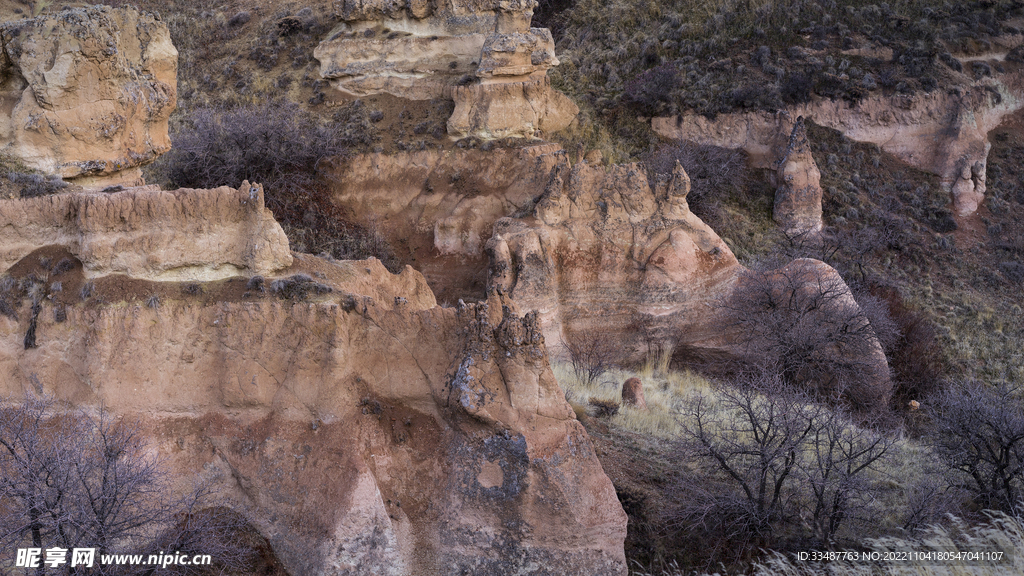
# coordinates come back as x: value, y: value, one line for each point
x: 606, y: 255
x: 361, y: 428
x: 942, y: 132
x: 483, y: 54
x: 438, y: 208
x: 150, y: 234
x: 86, y: 93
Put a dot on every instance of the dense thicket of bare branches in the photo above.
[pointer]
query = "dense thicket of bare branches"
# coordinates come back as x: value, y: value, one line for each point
x: 69, y: 480
x: 771, y: 466
x: 979, y: 435
x: 803, y: 322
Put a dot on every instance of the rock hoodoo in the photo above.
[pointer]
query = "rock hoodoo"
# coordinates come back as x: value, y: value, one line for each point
x: 360, y: 427
x: 481, y: 53
x: 798, y: 197
x: 86, y: 93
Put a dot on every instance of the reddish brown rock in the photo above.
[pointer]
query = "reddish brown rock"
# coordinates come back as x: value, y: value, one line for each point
x: 358, y: 426
x: 633, y: 394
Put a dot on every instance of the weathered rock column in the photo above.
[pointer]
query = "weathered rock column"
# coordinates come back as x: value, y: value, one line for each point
x: 798, y: 197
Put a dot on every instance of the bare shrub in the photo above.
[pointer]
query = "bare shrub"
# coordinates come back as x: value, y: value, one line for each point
x: 285, y: 149
x: 772, y: 468
x: 73, y: 480
x: 747, y: 440
x: 979, y: 435
x: 914, y: 354
x: 37, y: 184
x: 714, y: 173
x: 297, y: 287
x: 591, y: 354
x: 604, y: 408
x: 803, y: 322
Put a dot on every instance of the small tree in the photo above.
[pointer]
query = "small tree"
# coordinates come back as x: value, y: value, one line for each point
x: 772, y: 465
x: 591, y: 354
x: 979, y: 435
x: 752, y: 438
x: 802, y: 321
x: 70, y: 480
x: 834, y: 471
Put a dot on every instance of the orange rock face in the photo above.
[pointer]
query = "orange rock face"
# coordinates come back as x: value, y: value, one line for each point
x: 87, y: 93
x: 360, y: 427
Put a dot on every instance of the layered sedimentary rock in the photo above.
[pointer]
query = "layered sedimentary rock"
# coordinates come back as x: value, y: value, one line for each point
x: 606, y: 255
x: 86, y: 93
x: 437, y: 209
x: 798, y: 196
x: 505, y: 109
x: 945, y: 133
x: 147, y: 233
x: 481, y: 53
x: 358, y: 426
x: 604, y: 252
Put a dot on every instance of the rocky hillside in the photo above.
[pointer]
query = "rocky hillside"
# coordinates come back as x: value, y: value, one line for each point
x: 370, y: 227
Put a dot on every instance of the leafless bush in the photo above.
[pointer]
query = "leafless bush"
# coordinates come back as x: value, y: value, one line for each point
x: 285, y: 149
x: 979, y: 435
x: 747, y: 440
x: 772, y: 467
x: 714, y: 173
x: 297, y: 287
x: 604, y: 408
x: 37, y: 184
x: 802, y: 321
x: 71, y: 480
x: 591, y: 354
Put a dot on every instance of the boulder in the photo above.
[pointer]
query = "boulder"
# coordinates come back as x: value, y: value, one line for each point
x: 633, y: 394
x: 87, y: 93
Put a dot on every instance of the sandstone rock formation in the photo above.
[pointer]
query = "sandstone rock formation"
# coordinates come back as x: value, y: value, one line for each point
x: 798, y: 197
x: 945, y: 133
x: 438, y: 208
x: 498, y: 110
x: 150, y: 234
x: 361, y: 428
x: 86, y: 93
x: 602, y: 252
x: 633, y: 393
x: 481, y: 53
